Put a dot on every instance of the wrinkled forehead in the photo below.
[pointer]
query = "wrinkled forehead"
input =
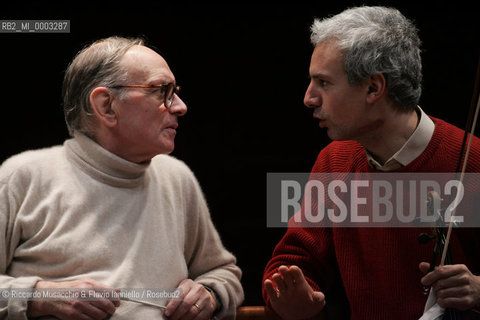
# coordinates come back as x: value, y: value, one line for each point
x: 145, y: 66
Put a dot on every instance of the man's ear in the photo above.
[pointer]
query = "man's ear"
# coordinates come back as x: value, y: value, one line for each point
x: 101, y: 100
x: 377, y: 87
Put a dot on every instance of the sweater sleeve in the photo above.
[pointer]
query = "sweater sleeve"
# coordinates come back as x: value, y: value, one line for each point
x: 311, y: 249
x: 209, y: 263
x: 10, y: 237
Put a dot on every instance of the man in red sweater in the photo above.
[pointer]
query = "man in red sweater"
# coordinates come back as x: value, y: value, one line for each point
x: 365, y: 86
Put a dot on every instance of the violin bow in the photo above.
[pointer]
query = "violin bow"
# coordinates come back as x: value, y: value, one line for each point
x: 467, y: 142
x: 442, y: 241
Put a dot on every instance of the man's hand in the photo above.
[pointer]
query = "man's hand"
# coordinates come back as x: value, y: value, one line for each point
x: 197, y: 302
x: 291, y: 296
x: 455, y: 286
x: 95, y: 309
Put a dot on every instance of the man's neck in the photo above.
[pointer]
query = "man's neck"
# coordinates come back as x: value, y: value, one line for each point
x: 108, y: 140
x: 391, y: 136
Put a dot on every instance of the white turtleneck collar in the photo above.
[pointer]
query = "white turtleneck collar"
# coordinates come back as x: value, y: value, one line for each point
x: 103, y: 165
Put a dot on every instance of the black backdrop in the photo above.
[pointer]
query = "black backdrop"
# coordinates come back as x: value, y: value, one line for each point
x: 243, y: 68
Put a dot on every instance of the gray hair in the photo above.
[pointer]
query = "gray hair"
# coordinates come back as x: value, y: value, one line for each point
x: 377, y: 40
x: 97, y: 65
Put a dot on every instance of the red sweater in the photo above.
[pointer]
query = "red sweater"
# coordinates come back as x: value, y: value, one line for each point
x: 377, y: 267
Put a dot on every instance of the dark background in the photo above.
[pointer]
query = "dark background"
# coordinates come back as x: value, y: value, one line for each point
x: 243, y: 68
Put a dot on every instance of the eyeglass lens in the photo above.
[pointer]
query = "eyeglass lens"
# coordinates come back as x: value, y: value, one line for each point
x: 169, y: 92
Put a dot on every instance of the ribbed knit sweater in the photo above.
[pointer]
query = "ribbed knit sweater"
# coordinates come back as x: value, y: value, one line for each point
x: 374, y: 271
x: 79, y: 211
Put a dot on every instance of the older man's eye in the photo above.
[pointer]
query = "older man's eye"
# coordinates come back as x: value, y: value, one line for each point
x: 160, y: 92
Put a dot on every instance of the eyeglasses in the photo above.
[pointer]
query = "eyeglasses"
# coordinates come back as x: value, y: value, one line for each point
x: 167, y: 90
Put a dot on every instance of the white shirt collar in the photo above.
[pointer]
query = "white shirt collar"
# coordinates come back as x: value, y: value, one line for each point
x: 411, y: 149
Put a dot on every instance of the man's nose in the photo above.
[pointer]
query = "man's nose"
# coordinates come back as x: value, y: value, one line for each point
x: 312, y: 99
x: 178, y: 107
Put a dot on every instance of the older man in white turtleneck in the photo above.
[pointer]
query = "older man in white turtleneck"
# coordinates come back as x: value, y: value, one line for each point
x: 109, y: 209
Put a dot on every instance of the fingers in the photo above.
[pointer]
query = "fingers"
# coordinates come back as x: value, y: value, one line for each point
x: 454, y: 285
x: 173, y: 305
x: 463, y: 303
x: 75, y: 309
x: 285, y: 282
x: 424, y: 267
x: 319, y: 298
x: 101, y: 300
x: 88, y: 309
x: 454, y: 281
x: 443, y: 272
x: 297, y: 275
x: 279, y: 282
x: 288, y: 277
x: 452, y: 292
x: 291, y: 297
x: 270, y: 289
x: 196, y: 303
x: 105, y: 305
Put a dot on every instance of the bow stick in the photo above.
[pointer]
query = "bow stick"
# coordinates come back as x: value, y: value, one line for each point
x: 442, y: 241
x: 471, y: 125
